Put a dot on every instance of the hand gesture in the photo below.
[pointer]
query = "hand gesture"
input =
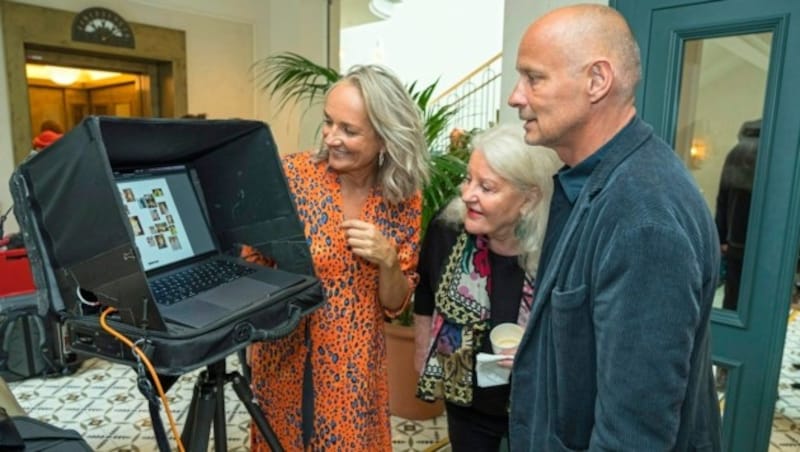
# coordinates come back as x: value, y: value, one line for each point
x: 367, y: 242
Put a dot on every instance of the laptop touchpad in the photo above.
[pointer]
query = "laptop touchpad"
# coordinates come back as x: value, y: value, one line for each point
x: 195, y: 313
x: 239, y: 293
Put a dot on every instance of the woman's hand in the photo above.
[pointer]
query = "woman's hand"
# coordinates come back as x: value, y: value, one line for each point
x: 366, y: 241
x: 509, y: 362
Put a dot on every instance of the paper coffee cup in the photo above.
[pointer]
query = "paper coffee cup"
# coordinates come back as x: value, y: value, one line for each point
x: 505, y: 336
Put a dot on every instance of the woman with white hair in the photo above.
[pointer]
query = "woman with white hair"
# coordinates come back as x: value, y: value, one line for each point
x: 477, y: 268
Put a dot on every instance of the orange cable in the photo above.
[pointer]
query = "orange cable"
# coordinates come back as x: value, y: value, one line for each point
x: 119, y: 336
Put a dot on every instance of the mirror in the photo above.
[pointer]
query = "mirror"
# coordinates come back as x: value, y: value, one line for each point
x: 721, y: 374
x: 723, y: 85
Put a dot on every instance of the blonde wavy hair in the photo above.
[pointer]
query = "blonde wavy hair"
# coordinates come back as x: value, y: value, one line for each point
x: 530, y: 169
x: 396, y: 119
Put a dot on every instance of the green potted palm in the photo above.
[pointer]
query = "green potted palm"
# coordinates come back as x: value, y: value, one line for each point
x: 292, y: 78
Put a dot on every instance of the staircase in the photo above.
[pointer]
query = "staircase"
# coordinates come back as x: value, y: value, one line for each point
x: 477, y: 98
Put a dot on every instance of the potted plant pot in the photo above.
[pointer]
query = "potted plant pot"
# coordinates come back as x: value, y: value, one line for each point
x: 403, y: 378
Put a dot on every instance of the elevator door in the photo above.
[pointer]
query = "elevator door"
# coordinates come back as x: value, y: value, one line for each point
x: 94, y: 85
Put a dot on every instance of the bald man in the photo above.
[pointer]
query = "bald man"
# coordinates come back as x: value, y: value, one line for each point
x: 616, y: 352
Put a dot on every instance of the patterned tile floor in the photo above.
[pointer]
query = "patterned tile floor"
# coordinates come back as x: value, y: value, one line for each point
x: 786, y: 421
x: 102, y: 403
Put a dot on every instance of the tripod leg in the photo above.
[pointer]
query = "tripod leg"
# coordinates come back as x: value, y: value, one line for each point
x: 217, y: 378
x: 201, y: 413
x: 246, y: 396
x: 245, y: 366
x: 188, y: 428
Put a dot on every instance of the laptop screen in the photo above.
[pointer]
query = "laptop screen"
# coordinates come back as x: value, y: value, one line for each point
x: 165, y: 216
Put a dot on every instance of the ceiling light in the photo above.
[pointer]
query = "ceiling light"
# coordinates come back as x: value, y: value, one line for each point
x: 64, y: 75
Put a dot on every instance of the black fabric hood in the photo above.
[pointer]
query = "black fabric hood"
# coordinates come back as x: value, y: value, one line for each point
x: 83, y: 227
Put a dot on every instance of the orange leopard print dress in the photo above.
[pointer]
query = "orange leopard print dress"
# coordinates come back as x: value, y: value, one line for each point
x: 347, y: 348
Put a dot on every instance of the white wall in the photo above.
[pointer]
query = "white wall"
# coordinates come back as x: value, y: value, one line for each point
x: 299, y: 26
x: 428, y: 39
x: 223, y: 39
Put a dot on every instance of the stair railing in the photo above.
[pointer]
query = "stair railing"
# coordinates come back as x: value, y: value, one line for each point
x: 477, y: 97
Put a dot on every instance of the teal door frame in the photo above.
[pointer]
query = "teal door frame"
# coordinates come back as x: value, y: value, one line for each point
x: 750, y: 340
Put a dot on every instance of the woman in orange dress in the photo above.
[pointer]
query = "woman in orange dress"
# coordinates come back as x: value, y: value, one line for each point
x: 324, y: 387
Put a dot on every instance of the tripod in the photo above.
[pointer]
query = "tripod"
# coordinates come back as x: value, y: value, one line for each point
x: 208, y: 405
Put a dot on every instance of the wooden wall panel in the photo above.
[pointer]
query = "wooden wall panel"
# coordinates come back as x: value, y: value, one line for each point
x: 46, y: 103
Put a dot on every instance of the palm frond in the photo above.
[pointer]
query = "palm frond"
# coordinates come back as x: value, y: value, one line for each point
x: 423, y: 97
x: 436, y: 119
x: 446, y: 173
x: 293, y: 77
x: 437, y: 122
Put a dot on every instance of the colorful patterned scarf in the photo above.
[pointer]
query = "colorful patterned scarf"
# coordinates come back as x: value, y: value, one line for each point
x: 461, y: 320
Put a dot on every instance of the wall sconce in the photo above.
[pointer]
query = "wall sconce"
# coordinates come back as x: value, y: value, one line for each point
x: 698, y: 152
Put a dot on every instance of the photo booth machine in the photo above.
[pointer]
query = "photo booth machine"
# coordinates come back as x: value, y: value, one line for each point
x: 80, y: 241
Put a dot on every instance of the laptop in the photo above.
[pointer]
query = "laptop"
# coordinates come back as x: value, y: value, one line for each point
x: 192, y: 282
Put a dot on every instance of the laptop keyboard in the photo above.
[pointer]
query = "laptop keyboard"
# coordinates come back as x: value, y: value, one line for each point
x: 172, y: 288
